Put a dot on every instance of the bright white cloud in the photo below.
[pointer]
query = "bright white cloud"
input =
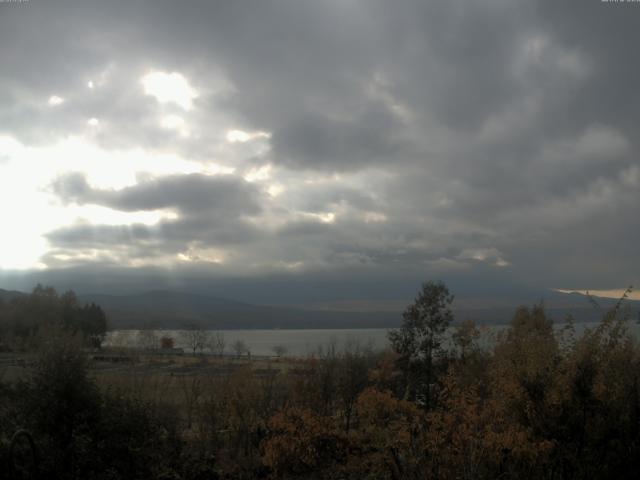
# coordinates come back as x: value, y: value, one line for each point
x: 175, y: 122
x: 240, y: 136
x: 196, y: 254
x: 100, y: 215
x: 323, y: 217
x: 169, y: 88
x: 55, y: 100
x: 29, y: 210
x: 21, y: 246
x: 217, y: 169
x: 275, y: 189
x: 489, y: 255
x: 105, y: 169
x: 259, y: 174
x: 9, y: 146
x: 25, y: 216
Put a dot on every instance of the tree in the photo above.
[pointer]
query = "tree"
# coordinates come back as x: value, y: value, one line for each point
x: 31, y: 312
x: 60, y: 397
x: 81, y: 430
x: 195, y: 337
x: 44, y: 308
x: 464, y: 338
x: 217, y: 343
x: 279, y: 350
x: 389, y: 439
x: 419, y: 339
x: 239, y: 347
x: 147, y: 339
x: 90, y: 320
x: 93, y: 324
x: 352, y: 378
x: 303, y: 443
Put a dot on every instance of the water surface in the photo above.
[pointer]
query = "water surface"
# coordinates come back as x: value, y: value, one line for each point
x: 299, y: 342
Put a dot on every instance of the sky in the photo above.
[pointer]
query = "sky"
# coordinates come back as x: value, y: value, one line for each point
x: 285, y: 151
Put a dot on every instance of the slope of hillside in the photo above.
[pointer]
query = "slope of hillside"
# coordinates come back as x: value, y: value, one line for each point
x: 175, y: 309
x: 8, y: 295
x: 170, y: 309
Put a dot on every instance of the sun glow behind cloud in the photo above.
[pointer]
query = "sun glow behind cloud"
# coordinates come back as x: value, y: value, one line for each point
x: 335, y: 157
x: 55, y: 100
x: 29, y: 209
x: 240, y: 136
x: 176, y: 123
x: 169, y: 88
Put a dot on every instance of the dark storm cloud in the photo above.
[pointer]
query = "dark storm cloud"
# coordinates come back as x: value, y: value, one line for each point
x: 101, y: 235
x: 320, y: 142
x: 211, y: 212
x: 168, y: 237
x: 190, y: 194
x: 498, y: 129
x: 325, y: 196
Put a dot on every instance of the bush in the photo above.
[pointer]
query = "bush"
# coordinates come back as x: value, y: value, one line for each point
x: 84, y: 433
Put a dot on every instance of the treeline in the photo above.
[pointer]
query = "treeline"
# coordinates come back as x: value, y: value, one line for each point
x: 24, y: 316
x: 538, y: 403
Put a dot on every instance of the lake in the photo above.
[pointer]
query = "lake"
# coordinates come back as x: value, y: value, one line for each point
x: 301, y: 342
x: 262, y: 342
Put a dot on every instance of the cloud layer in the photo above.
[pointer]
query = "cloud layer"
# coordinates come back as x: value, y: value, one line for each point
x: 490, y: 142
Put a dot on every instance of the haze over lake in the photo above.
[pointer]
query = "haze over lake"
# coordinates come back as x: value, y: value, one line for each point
x: 303, y: 342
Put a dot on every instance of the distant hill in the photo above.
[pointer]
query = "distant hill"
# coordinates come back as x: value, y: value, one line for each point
x: 171, y: 309
x: 176, y: 309
x: 8, y: 295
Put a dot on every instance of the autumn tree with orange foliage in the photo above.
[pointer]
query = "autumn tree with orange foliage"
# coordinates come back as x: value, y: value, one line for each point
x: 303, y: 443
x: 536, y: 402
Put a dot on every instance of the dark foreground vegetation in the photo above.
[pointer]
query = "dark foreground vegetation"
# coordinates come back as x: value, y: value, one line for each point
x: 539, y: 403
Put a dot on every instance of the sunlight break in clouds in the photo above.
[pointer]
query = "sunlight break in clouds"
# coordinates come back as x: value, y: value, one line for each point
x: 489, y: 255
x: 240, y: 136
x: 55, y: 100
x: 174, y: 122
x: 169, y: 88
x: 396, y: 144
x: 26, y: 174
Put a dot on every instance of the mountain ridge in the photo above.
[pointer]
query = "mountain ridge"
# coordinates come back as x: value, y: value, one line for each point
x: 175, y: 309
